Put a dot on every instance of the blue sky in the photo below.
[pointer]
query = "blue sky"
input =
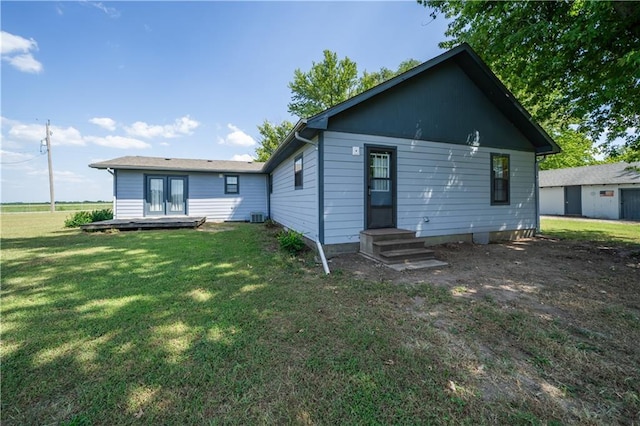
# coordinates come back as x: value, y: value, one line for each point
x: 171, y: 79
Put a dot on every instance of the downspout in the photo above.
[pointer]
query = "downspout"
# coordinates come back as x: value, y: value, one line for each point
x: 325, y: 265
x: 269, y: 184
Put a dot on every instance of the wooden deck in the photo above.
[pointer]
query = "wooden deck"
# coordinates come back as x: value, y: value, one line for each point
x: 145, y: 223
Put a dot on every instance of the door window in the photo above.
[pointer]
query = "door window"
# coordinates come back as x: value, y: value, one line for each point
x: 166, y: 195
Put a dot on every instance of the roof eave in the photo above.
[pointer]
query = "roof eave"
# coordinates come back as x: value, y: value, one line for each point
x: 171, y: 169
x: 288, y: 145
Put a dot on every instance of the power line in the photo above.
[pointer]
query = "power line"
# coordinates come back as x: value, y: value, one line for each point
x: 23, y: 161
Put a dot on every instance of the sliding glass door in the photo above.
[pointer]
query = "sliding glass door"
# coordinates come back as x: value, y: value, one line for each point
x: 166, y: 195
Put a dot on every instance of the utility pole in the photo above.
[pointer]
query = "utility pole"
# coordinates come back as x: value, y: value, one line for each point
x: 48, y: 138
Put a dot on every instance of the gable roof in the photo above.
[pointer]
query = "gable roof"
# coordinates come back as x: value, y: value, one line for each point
x: 178, y: 164
x: 615, y: 173
x: 465, y: 57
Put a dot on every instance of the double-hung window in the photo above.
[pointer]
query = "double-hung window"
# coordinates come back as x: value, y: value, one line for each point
x: 499, y: 179
x: 231, y: 184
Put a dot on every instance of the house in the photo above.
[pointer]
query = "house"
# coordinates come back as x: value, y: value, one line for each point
x: 155, y: 187
x: 605, y: 191
x: 442, y: 150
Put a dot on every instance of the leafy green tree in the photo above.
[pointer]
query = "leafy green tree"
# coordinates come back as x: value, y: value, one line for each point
x: 326, y: 84
x: 622, y: 153
x: 577, y: 150
x: 332, y: 81
x: 566, y: 61
x: 272, y: 136
x: 369, y: 80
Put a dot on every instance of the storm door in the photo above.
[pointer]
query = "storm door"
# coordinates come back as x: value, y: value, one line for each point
x: 166, y: 195
x: 380, y: 190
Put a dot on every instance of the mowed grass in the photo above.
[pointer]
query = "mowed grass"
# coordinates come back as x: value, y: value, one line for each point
x: 592, y: 230
x: 191, y: 327
x: 220, y: 327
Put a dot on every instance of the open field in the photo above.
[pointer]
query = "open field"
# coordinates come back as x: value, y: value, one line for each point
x: 217, y: 326
x: 45, y: 207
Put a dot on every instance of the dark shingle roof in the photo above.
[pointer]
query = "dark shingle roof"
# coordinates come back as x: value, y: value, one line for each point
x: 615, y: 173
x: 178, y: 164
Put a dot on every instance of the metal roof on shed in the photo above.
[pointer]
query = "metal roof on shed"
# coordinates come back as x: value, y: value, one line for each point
x: 178, y: 164
x: 615, y: 173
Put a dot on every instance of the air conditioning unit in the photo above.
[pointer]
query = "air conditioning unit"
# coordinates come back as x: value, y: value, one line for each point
x: 257, y: 217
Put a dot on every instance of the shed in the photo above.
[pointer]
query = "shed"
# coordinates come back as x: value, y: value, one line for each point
x: 605, y: 191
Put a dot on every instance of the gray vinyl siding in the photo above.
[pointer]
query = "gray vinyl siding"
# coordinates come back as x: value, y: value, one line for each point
x: 297, y: 208
x: 129, y: 194
x: 443, y: 189
x: 207, y: 197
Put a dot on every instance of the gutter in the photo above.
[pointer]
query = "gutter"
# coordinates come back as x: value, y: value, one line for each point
x: 305, y: 140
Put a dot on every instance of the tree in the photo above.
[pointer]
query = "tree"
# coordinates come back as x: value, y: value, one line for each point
x: 327, y: 83
x: 622, y: 153
x: 272, y: 137
x: 566, y: 61
x: 369, y: 80
x: 577, y: 150
x: 332, y: 81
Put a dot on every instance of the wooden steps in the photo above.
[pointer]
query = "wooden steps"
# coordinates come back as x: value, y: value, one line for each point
x: 393, y: 246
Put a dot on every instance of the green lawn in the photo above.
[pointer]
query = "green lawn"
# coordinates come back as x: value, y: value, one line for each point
x: 219, y: 327
x: 189, y: 327
x: 592, y: 230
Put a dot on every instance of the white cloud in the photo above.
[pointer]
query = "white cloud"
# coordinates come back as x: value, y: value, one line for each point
x: 66, y: 136
x: 236, y: 137
x: 15, y: 44
x: 25, y: 63
x: 242, y: 157
x: 10, y: 157
x: 18, y: 52
x: 104, y: 122
x: 59, y: 175
x: 112, y: 12
x: 119, y: 142
x: 36, y: 132
x: 181, y: 127
x: 144, y: 130
x: 16, y: 134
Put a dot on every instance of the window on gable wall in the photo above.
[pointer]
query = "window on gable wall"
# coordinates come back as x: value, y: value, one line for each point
x: 499, y: 179
x: 231, y: 184
x: 297, y: 172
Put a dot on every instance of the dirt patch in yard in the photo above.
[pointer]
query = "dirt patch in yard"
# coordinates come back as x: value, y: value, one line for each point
x: 546, y: 324
x: 537, y: 273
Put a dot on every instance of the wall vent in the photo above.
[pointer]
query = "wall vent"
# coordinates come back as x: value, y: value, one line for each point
x: 257, y: 217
